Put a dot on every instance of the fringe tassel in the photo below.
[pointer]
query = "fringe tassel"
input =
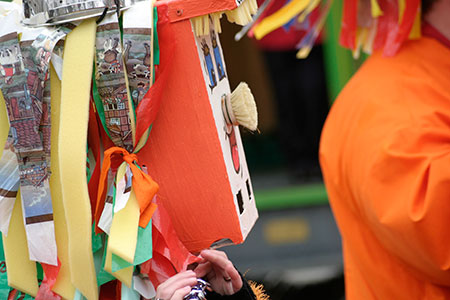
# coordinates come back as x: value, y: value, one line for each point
x: 258, y: 290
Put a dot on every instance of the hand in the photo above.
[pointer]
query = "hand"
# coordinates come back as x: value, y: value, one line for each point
x: 177, y: 286
x: 218, y: 270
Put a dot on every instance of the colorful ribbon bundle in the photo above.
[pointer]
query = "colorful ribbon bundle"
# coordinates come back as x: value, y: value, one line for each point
x: 91, y: 220
x: 366, y: 24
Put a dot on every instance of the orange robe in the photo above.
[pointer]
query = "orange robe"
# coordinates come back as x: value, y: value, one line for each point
x: 385, y: 155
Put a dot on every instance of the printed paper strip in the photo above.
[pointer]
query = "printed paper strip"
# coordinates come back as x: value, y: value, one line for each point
x: 137, y: 40
x: 111, y: 84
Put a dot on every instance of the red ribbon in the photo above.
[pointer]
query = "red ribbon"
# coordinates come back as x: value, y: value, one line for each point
x: 148, y: 108
x: 45, y: 290
x: 170, y: 256
x: 349, y: 24
x: 400, y: 32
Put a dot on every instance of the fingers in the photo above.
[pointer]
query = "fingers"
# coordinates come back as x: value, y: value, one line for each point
x: 212, y: 260
x: 229, y: 278
x: 180, y: 279
x: 224, y: 273
x: 203, y: 269
x: 218, y: 258
x: 220, y: 261
x: 176, y: 285
x: 179, y: 294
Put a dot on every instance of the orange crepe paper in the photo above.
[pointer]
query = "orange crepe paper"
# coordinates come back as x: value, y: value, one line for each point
x: 143, y: 185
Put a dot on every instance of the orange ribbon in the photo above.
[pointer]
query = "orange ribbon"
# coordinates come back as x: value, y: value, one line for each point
x: 143, y: 185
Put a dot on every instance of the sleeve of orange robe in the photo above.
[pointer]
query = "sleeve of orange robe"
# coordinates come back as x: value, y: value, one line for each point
x: 407, y: 196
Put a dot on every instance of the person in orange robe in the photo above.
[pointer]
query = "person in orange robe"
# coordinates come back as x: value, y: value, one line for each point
x: 385, y: 156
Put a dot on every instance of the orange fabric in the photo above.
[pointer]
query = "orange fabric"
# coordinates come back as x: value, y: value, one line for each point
x: 143, y: 185
x: 385, y: 155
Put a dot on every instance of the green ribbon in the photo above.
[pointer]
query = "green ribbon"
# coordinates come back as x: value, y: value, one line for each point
x: 98, y: 103
x: 129, y: 293
x: 144, y: 250
x: 78, y: 296
x: 99, y: 260
x: 4, y: 288
x: 155, y: 38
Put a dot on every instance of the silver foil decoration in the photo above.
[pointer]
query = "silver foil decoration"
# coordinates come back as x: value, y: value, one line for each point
x: 51, y: 12
x: 198, y: 291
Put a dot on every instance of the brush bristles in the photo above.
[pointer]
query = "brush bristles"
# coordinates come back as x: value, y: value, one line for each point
x: 244, y: 107
x: 216, y: 21
x: 241, y: 15
x: 202, y: 26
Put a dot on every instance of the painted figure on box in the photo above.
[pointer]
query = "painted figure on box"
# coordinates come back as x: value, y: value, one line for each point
x: 218, y: 57
x: 209, y: 65
x: 233, y: 147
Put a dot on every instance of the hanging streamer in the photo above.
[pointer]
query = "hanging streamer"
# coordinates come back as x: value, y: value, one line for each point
x: 313, y: 4
x: 9, y: 183
x: 279, y: 18
x: 138, y: 44
x: 25, y: 82
x: 9, y: 170
x: 144, y: 186
x: 105, y: 221
x: 392, y: 20
x: 123, y: 190
x: 382, y: 27
x: 310, y: 37
x: 45, y: 290
x: 10, y: 66
x: 111, y: 82
x: 375, y: 9
x: 4, y: 288
x: 134, y: 34
x: 349, y: 24
x: 147, y: 110
x: 94, y: 145
x: 403, y: 29
x: 169, y: 254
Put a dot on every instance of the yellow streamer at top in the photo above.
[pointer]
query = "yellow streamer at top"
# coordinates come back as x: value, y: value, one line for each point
x: 375, y: 8
x: 279, y: 18
x: 311, y: 6
x: 416, y: 31
x: 401, y: 9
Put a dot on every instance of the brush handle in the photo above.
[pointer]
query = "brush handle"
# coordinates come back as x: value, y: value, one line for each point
x: 247, y: 27
x: 227, y: 110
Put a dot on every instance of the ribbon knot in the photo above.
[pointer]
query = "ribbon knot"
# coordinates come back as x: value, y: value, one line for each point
x: 143, y: 186
x: 130, y: 158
